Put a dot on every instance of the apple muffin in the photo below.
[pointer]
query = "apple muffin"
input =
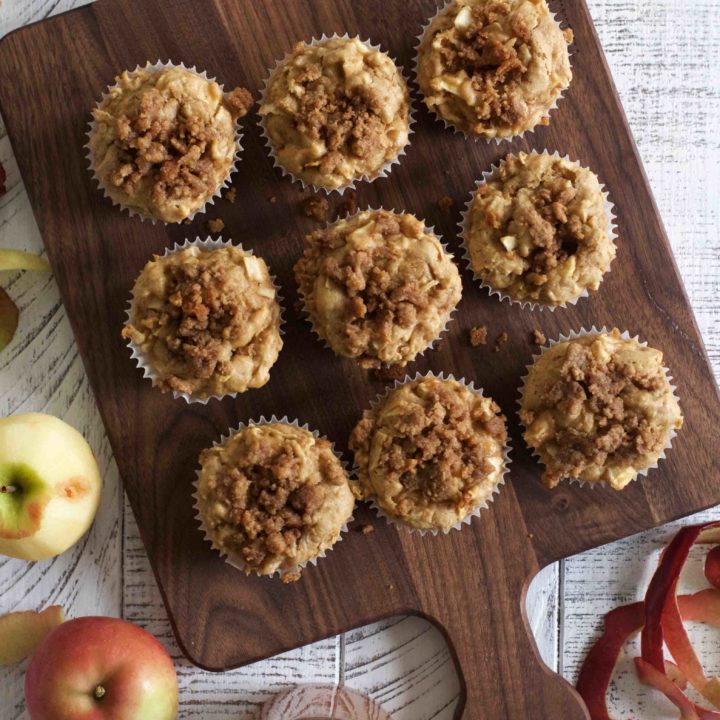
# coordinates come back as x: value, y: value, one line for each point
x: 336, y: 111
x: 378, y: 287
x: 538, y: 231
x: 431, y: 453
x: 600, y: 409
x: 494, y: 68
x: 206, y: 322
x: 164, y: 141
x: 273, y: 497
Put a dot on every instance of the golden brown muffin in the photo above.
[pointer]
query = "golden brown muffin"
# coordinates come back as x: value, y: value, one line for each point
x: 336, y: 112
x: 378, y: 287
x: 164, y: 141
x: 273, y: 497
x: 494, y: 68
x: 599, y: 409
x: 431, y: 453
x: 206, y: 322
x: 539, y: 230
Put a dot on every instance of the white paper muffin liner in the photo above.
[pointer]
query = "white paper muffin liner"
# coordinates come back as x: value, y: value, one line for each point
x: 92, y: 125
x: 386, y: 168
x: 574, y: 335
x: 464, y: 227
x: 430, y: 230
x: 137, y: 354
x: 450, y: 126
x: 235, y: 560
x: 484, y: 505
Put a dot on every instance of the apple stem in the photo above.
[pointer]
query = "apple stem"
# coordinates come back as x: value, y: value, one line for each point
x: 8, y: 489
x: 99, y: 692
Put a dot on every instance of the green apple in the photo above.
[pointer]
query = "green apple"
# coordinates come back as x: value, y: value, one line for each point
x: 50, y: 486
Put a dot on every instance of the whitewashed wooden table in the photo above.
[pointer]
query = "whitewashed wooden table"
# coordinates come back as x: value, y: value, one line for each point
x: 664, y: 55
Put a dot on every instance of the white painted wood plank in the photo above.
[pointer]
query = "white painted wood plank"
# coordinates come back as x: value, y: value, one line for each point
x: 405, y: 666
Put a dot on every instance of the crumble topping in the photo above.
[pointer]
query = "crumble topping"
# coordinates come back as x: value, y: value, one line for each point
x: 165, y: 141
x: 539, y: 230
x: 599, y: 408
x: 206, y: 322
x: 378, y: 287
x: 494, y: 68
x: 431, y: 452
x: 273, y: 497
x: 336, y: 112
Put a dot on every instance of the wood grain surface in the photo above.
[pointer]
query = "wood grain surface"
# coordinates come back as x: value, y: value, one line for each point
x: 481, y: 309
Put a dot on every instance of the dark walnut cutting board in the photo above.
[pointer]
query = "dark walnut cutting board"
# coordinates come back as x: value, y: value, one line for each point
x: 471, y: 583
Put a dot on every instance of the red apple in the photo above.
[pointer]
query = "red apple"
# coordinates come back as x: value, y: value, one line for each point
x: 97, y: 668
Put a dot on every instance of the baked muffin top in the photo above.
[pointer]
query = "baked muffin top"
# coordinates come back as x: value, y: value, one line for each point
x: 494, y: 68
x: 539, y: 230
x: 336, y: 112
x: 599, y: 408
x: 430, y: 453
x: 378, y: 287
x: 164, y: 141
x: 206, y: 322
x: 273, y: 497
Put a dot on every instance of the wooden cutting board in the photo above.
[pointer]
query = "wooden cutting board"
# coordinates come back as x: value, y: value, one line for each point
x: 471, y: 583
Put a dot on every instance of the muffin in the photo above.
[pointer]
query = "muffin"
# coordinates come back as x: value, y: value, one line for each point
x: 494, y: 68
x: 431, y: 453
x: 336, y: 111
x: 206, y: 322
x: 164, y: 141
x: 538, y: 230
x: 600, y: 409
x: 273, y: 497
x: 378, y: 287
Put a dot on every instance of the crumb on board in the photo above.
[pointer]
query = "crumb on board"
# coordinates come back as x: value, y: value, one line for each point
x: 231, y: 194
x: 367, y: 529
x: 240, y: 101
x: 446, y: 203
x: 291, y: 577
x: 502, y: 338
x: 272, y: 199
x: 569, y: 35
x: 215, y: 226
x: 387, y: 373
x: 316, y: 208
x: 478, y: 336
x: 349, y: 205
x: 538, y: 337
